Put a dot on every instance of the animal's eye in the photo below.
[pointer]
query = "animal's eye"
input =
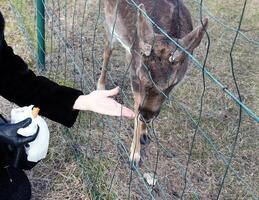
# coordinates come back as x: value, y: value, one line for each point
x: 162, y: 51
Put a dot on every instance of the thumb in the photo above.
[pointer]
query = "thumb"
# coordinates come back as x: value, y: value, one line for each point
x: 24, y: 123
x: 112, y: 92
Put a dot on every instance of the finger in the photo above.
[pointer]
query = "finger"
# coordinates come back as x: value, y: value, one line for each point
x: 24, y: 123
x: 27, y: 131
x: 110, y: 93
x: 120, y: 110
x: 29, y: 139
x: 126, y: 112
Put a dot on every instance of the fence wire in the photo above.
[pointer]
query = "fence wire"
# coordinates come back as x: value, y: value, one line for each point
x: 202, y: 145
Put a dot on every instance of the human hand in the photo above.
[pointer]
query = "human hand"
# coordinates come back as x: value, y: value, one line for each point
x: 100, y: 101
x: 8, y: 133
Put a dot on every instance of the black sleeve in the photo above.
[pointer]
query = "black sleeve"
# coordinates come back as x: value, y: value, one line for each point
x: 20, y: 85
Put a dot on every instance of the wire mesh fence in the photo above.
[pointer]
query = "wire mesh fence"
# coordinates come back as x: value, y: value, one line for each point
x: 204, y: 144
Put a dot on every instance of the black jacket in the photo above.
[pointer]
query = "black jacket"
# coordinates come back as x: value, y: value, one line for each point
x: 20, y: 85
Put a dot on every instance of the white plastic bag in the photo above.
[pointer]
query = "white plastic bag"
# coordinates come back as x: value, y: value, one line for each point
x: 36, y: 150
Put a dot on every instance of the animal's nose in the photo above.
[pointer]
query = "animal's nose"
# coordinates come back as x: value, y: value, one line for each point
x: 147, y: 114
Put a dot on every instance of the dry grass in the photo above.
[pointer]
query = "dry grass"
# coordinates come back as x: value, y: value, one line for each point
x: 83, y: 162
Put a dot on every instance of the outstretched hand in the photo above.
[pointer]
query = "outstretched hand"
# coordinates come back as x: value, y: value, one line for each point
x: 100, y: 101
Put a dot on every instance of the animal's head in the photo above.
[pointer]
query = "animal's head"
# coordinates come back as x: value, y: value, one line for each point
x: 163, y: 65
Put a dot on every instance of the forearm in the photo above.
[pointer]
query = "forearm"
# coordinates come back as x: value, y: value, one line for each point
x: 21, y: 86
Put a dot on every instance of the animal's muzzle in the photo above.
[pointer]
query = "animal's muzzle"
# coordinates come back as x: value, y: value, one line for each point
x: 147, y: 115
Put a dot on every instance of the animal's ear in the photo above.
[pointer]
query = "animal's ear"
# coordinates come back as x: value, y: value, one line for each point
x: 193, y: 39
x: 145, y: 31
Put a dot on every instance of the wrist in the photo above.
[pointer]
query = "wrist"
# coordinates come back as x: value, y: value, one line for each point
x: 82, y: 103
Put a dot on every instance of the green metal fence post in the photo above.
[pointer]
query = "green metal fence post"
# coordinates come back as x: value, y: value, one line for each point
x: 41, y: 33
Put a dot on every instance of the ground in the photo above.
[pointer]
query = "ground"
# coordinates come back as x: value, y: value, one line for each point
x: 90, y: 161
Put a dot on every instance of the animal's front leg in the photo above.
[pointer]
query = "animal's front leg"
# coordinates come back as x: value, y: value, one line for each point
x: 106, y: 57
x: 144, y: 138
x: 135, y: 145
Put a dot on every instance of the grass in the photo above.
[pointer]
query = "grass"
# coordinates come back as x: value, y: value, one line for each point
x: 81, y: 162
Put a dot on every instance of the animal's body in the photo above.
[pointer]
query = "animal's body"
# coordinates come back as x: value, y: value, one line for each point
x: 156, y: 64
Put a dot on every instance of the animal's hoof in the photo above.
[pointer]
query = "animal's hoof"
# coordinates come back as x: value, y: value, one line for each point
x: 133, y: 165
x: 144, y: 139
x: 134, y: 161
